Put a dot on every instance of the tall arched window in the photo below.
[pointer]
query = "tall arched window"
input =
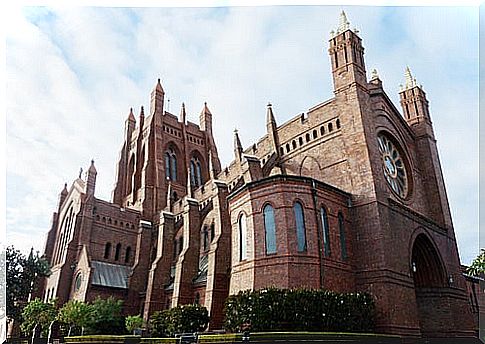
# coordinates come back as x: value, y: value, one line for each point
x: 168, y: 172
x: 196, y: 172
x: 326, y: 231
x: 107, y: 250
x: 343, y: 244
x: 171, y: 165
x: 127, y: 254
x: 269, y: 229
x: 242, y: 237
x: 117, y: 252
x: 130, y: 175
x: 300, y: 226
x: 192, y: 172
x: 213, y: 232
x: 205, y: 238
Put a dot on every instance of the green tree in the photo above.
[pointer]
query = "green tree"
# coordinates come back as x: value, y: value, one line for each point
x: 22, y: 275
x: 478, y: 264
x: 106, y: 316
x: 38, y: 312
x: 133, y: 322
x: 75, y: 314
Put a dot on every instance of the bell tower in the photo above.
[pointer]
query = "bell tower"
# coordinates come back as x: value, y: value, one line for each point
x: 347, y: 57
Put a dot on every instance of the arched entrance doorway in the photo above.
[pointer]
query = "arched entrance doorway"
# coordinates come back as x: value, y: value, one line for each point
x: 429, y: 282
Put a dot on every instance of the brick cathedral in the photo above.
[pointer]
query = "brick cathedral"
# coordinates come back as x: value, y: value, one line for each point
x: 348, y: 197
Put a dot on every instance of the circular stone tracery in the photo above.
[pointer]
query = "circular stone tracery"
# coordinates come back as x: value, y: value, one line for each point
x: 393, y: 166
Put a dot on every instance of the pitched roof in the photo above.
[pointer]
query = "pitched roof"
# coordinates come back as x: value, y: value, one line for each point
x: 110, y: 275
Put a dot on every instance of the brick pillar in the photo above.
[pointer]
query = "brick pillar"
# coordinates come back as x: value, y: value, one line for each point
x: 187, y: 263
x: 160, y: 270
x: 137, y: 280
x: 217, y: 287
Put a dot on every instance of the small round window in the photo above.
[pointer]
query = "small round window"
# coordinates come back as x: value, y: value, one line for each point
x: 78, y: 282
x: 393, y: 166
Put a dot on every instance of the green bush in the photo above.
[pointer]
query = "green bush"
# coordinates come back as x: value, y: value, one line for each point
x: 105, y: 317
x: 133, y: 323
x: 38, y: 312
x: 181, y: 319
x: 300, y: 310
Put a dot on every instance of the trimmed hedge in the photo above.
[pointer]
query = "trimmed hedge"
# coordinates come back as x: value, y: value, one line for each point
x: 300, y: 310
x: 180, y: 319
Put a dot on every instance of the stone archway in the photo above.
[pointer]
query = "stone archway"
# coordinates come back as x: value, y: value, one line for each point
x: 430, y: 282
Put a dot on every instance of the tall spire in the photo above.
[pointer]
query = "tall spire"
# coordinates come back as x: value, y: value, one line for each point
x: 91, y: 179
x: 414, y: 103
x: 272, y: 128
x: 156, y: 99
x: 183, y: 114
x: 205, y: 119
x: 237, y: 146
x: 347, y: 57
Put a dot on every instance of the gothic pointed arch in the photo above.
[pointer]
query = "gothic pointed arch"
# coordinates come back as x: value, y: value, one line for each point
x: 426, y: 264
x: 171, y: 160
x: 310, y: 167
x: 197, y: 169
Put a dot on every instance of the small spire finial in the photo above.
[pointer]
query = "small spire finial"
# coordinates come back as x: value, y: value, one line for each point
x: 142, y: 112
x: 375, y: 75
x: 410, y: 82
x: 183, y: 114
x: 159, y: 87
x: 237, y: 146
x: 64, y: 190
x: 131, y: 117
x: 344, y: 24
x: 92, y: 169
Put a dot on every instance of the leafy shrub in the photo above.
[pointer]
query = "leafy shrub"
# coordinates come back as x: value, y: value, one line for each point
x: 105, y: 317
x: 38, y: 312
x: 300, y: 309
x: 181, y: 319
x: 133, y: 322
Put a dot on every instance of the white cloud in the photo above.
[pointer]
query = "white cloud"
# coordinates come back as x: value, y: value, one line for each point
x: 73, y: 74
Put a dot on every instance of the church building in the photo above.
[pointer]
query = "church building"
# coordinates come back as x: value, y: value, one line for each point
x: 348, y: 196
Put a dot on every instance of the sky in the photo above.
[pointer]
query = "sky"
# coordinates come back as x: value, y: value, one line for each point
x: 72, y: 74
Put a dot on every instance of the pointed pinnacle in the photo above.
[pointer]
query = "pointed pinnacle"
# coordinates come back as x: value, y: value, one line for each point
x: 206, y: 110
x: 92, y: 169
x: 344, y: 24
x: 64, y: 190
x: 142, y: 112
x: 410, y: 82
x: 159, y: 87
x: 131, y: 117
x: 269, y: 114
